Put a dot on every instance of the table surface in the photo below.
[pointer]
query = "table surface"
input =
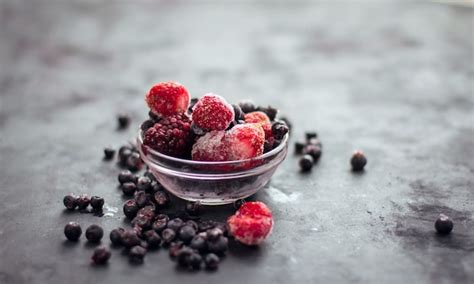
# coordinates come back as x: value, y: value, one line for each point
x: 393, y: 79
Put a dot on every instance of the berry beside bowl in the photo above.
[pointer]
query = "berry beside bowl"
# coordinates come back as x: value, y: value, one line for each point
x: 212, y: 183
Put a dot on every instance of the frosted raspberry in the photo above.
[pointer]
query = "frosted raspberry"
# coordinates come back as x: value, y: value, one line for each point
x: 251, y: 224
x: 245, y: 141
x: 168, y: 98
x: 212, y: 112
x: 170, y: 136
x: 210, y: 147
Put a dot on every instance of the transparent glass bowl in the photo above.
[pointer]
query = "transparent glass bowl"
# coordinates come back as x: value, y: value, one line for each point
x: 213, y: 183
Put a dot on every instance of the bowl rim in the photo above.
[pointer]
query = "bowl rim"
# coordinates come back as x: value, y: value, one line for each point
x: 270, y: 153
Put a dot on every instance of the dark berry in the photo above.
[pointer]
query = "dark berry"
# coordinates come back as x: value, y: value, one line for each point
x: 142, y: 198
x: 271, y: 112
x: 212, y: 261
x: 70, y: 202
x: 310, y: 135
x: 306, y: 163
x: 299, y: 147
x: 116, y: 236
x: 147, y: 124
x: 279, y: 130
x: 214, y: 234
x: 315, y: 141
x: 161, y: 198
x: 83, y: 201
x: 137, y: 254
x: 128, y: 188
x: 130, y: 208
x: 183, y: 255
x: 97, y: 202
x: 186, y: 233
x: 153, y: 239
x: 123, y: 120
x: 192, y: 102
x: 174, y: 248
x: 197, y: 130
x: 192, y: 224
x: 218, y: 246
x: 134, y: 162
x: 126, y: 176
x: 109, y: 153
x: 193, y: 208
x: 142, y: 221
x: 72, y: 231
x: 222, y: 227
x: 130, y: 238
x: 287, y: 121
x: 239, y: 114
x: 168, y: 235
x: 268, y: 145
x: 101, y: 255
x: 144, y: 184
x: 247, y: 106
x: 199, y: 243
x: 175, y: 224
x: 238, y: 203
x: 195, y: 260
x: 206, y: 225
x: 150, y: 175
x: 312, y: 150
x: 123, y: 154
x: 94, y: 233
x: 153, y: 116
x: 160, y: 223
x: 444, y: 225
x: 358, y: 161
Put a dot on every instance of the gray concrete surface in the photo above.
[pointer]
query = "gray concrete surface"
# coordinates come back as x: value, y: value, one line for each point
x: 394, y: 79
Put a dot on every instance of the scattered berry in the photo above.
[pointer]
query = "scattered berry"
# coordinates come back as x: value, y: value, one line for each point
x: 306, y: 163
x: 123, y: 120
x: 174, y: 248
x: 101, y: 255
x: 141, y: 198
x: 312, y: 150
x: 186, y: 233
x: 116, y: 236
x: 109, y: 153
x: 70, y: 202
x: 134, y: 162
x: 245, y: 141
x: 128, y: 188
x: 161, y: 198
x: 144, y: 184
x: 212, y: 261
x: 72, y: 231
x: 160, y: 223
x: 279, y: 130
x: 123, y: 154
x: 251, y: 224
x: 247, y: 106
x: 271, y: 112
x: 310, y: 135
x: 358, y: 161
x: 153, y: 239
x: 130, y: 238
x: 126, y: 176
x: 193, y: 208
x: 212, y: 112
x: 214, y: 234
x: 137, y: 254
x: 218, y: 246
x: 130, y: 208
x: 168, y: 235
x: 195, y: 260
x: 175, y: 224
x: 171, y: 136
x: 94, y: 233
x: 168, y: 98
x: 183, y: 256
x: 210, y: 147
x: 97, y: 203
x: 315, y: 141
x: 444, y: 225
x: 83, y: 201
x: 198, y: 243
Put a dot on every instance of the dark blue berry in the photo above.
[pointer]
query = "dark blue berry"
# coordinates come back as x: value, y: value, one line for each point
x: 83, y: 201
x: 193, y: 208
x: 128, y: 188
x: 168, y: 235
x: 130, y: 208
x: 126, y: 176
x: 358, y: 161
x: 444, y: 225
x: 161, y: 198
x: 94, y: 233
x: 109, y: 153
x: 116, y: 236
x: 306, y: 163
x: 97, y: 203
x: 130, y: 238
x: 70, y: 201
x: 212, y: 261
x: 101, y: 255
x: 137, y: 254
x: 312, y: 150
x: 186, y: 233
x: 72, y: 231
x: 123, y: 120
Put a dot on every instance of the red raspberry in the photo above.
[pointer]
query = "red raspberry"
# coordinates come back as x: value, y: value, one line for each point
x: 212, y: 112
x: 251, y: 224
x: 262, y: 119
x: 245, y: 141
x: 168, y: 98
x: 170, y: 136
x: 210, y: 147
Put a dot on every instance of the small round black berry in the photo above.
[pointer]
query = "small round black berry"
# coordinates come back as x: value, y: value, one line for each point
x: 123, y: 154
x: 126, y: 176
x: 315, y: 141
x: 130, y: 238
x: 279, y: 130
x: 214, y: 234
x: 109, y: 153
x: 193, y: 208
x: 160, y: 223
x: 306, y: 163
x: 270, y: 111
x: 137, y: 254
x: 175, y: 224
x: 183, y: 255
x: 142, y: 221
x: 299, y: 146
x: 168, y: 235
x: 150, y: 175
x: 153, y: 239
x: 142, y: 198
x: 212, y: 261
x: 206, y: 225
x: 186, y: 233
x: 83, y: 201
x: 195, y: 261
x: 192, y: 103
x: 239, y: 114
x: 97, y: 202
x: 218, y: 246
x: 101, y: 255
x: 312, y: 150
x: 123, y: 120
x: 130, y: 208
x: 72, y: 231
x: 238, y: 203
x: 134, y: 162
x: 128, y: 188
x: 287, y: 121
x: 444, y: 225
x: 192, y: 224
x: 94, y: 233
x: 199, y: 243
x: 310, y: 134
x: 174, y: 248
x: 70, y: 201
x: 161, y: 198
x: 144, y: 184
x: 153, y: 116
x: 147, y: 124
x: 197, y: 130
x: 247, y: 106
x: 116, y: 236
x: 358, y: 161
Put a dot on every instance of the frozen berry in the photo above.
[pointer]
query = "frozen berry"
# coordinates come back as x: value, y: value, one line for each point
x: 212, y: 112
x: 174, y: 248
x: 144, y: 184
x: 175, y: 224
x: 212, y: 261
x: 312, y: 150
x: 186, y: 233
x: 358, y: 161
x: 154, y: 117
x: 192, y: 224
x: 159, y: 224
x: 130, y: 238
x: 193, y: 208
x: 153, y: 239
x: 147, y: 124
x: 195, y: 261
x: 279, y: 130
x: 218, y: 246
x: 198, y: 243
x: 270, y: 111
x: 116, y: 236
x: 287, y: 121
x: 245, y: 141
x: 123, y: 154
x: 238, y: 113
x: 141, y: 198
x: 70, y: 201
x: 168, y: 98
x: 299, y: 147
x: 83, y: 201
x: 247, y: 106
x: 444, y: 225
x: 183, y: 255
x: 101, y: 255
x: 97, y: 202
x: 128, y: 188
x: 161, y: 199
x: 211, y: 147
x: 72, y: 231
x: 257, y: 117
x: 306, y: 163
x: 171, y: 136
x: 123, y: 120
x: 137, y: 254
x: 109, y: 153
x: 214, y: 234
x: 130, y: 208
x: 134, y: 162
x: 168, y: 235
x: 251, y: 224
x: 126, y: 176
x: 310, y: 135
x: 192, y: 103
x: 315, y: 141
x: 94, y: 233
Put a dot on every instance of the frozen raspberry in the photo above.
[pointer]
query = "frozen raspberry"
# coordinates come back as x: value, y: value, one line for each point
x: 251, y: 224
x: 168, y: 98
x: 171, y: 136
x: 210, y: 147
x: 262, y: 119
x: 212, y: 112
x: 245, y: 141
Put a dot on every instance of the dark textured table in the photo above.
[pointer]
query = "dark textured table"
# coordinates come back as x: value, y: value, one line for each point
x: 395, y: 80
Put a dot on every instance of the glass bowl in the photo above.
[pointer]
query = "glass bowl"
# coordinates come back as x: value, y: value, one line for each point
x: 212, y: 183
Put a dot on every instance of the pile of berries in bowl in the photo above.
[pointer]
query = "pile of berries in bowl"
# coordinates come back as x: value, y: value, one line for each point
x: 207, y: 150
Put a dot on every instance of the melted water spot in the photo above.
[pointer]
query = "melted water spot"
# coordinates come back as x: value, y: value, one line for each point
x: 110, y: 210
x: 282, y: 197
